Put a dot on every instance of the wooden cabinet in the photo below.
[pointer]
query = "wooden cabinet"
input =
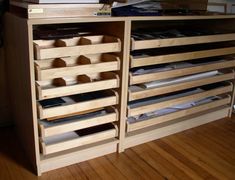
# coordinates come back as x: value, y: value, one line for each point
x: 79, y: 98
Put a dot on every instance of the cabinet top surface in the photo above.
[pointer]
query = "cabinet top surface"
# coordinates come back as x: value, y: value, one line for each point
x: 110, y: 19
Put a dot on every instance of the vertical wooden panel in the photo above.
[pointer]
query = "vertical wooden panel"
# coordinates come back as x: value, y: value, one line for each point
x: 4, y: 108
x: 20, y: 69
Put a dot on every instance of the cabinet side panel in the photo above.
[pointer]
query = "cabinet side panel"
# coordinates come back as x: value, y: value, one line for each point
x: 21, y: 88
x: 4, y: 106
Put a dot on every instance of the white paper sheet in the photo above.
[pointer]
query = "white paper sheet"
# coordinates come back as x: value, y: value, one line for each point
x: 60, y: 138
x: 172, y: 81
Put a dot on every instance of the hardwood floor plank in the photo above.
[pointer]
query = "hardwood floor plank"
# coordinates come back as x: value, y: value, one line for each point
x: 123, y: 164
x: 222, y: 141
x: 205, y: 152
x: 149, y: 171
x: 209, y: 158
x: 189, y: 172
x: 182, y: 158
x: 77, y: 172
x: 168, y: 170
x: 193, y: 156
x: 213, y: 159
x: 105, y: 169
x: 201, y: 138
x: 88, y: 170
x: 62, y: 173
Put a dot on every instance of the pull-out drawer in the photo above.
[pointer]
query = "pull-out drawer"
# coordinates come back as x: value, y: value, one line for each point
x: 202, y: 67
x: 79, y: 138
x: 45, y: 49
x: 62, y: 67
x: 72, y: 107
x: 176, y: 57
x: 168, y: 103
x: 108, y: 115
x: 157, y: 43
x: 178, y: 114
x: 81, y: 84
x: 137, y: 92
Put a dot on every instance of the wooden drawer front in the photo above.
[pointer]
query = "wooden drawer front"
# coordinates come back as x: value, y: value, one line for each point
x: 78, y: 124
x: 146, y: 44
x: 45, y: 70
x: 151, y: 60
x: 45, y: 49
x: 177, y: 87
x: 76, y: 142
x: 77, y: 107
x: 178, y: 114
x: 180, y: 72
x: 107, y: 81
x: 181, y: 100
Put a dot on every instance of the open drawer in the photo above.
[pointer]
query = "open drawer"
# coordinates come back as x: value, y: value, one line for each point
x: 75, y: 85
x: 71, y: 66
x: 108, y: 115
x: 140, y: 92
x: 78, y: 138
x: 136, y: 125
x: 146, y: 60
x: 168, y: 42
x: 78, y: 104
x: 154, y: 103
x: 45, y: 49
x: 177, y: 72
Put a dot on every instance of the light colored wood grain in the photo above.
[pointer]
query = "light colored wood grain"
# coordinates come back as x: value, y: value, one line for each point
x: 153, y: 133
x: 115, y: 19
x: 124, y: 87
x: 79, y: 124
x: 180, y: 72
x: 138, y: 62
x: 213, y: 142
x: 20, y: 72
x: 76, y: 155
x: 80, y: 141
x: 177, y: 87
x: 122, y: 31
x: 178, y: 114
x: 77, y: 107
x: 145, y: 44
x: 111, y: 82
x: 181, y: 100
x: 113, y: 26
x: 46, y: 49
x: 33, y: 11
x: 45, y: 70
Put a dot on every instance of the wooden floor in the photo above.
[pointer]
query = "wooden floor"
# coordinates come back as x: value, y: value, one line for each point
x: 206, y: 152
